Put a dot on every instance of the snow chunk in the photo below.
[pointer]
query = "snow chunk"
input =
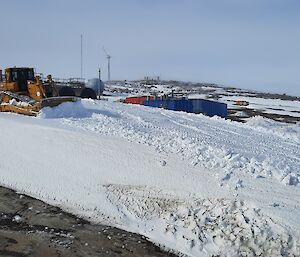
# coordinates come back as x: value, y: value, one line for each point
x: 17, y: 218
x: 241, y: 114
x: 291, y: 179
x: 13, y: 102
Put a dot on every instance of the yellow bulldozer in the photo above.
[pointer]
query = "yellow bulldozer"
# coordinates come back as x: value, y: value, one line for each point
x: 21, y: 91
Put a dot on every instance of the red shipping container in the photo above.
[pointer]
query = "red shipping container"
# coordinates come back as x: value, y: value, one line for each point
x: 137, y: 99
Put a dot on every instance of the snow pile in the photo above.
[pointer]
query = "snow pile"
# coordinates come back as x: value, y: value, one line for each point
x: 241, y: 114
x: 203, y: 227
x: 65, y: 110
x: 283, y: 130
x: 14, y: 102
x: 227, y: 148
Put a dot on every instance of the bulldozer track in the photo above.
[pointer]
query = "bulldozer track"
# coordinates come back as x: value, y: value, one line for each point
x: 21, y: 98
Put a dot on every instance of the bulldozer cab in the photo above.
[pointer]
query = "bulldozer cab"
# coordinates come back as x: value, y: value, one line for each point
x: 20, y: 76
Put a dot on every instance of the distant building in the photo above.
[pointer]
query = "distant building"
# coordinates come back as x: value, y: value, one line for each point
x: 152, y: 78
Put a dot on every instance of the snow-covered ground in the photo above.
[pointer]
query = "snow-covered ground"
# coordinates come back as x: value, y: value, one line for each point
x: 197, y: 185
x: 257, y: 101
x: 276, y: 106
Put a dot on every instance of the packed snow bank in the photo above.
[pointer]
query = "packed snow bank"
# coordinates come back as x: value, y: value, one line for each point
x: 65, y: 110
x: 283, y: 130
x: 227, y: 148
x: 202, y: 186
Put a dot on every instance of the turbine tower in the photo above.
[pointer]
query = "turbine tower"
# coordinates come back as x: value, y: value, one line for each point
x: 108, y: 56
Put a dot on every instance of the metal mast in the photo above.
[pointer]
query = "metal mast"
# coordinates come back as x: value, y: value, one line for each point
x: 99, y: 83
x: 81, y: 56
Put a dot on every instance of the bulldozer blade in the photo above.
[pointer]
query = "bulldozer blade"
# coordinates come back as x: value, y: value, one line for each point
x: 55, y: 101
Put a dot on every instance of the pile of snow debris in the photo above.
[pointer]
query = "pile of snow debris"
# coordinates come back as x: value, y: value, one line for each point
x: 18, y: 103
x: 283, y: 130
x: 203, y: 227
x: 65, y: 110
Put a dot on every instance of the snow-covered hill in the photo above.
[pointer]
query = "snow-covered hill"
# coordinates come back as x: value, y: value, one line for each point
x: 197, y: 185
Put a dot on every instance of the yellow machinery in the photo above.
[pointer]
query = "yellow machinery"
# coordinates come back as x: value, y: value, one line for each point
x: 23, y: 92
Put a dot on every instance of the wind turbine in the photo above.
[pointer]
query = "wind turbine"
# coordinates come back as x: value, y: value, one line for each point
x: 108, y: 56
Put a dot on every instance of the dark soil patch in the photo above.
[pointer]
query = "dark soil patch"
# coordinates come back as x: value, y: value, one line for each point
x: 32, y: 228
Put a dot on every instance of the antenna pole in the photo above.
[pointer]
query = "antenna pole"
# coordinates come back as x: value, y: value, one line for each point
x: 99, y: 84
x: 81, y: 56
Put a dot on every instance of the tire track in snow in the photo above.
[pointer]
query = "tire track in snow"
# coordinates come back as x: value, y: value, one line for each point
x: 223, y: 146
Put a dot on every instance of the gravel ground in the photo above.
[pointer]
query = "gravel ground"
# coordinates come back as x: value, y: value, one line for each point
x: 29, y: 227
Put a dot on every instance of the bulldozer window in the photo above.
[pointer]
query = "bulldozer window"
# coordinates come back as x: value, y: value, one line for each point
x: 14, y: 76
x: 22, y: 75
x: 30, y: 75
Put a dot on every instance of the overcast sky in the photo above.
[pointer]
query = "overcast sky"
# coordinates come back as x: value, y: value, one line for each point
x: 251, y: 44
